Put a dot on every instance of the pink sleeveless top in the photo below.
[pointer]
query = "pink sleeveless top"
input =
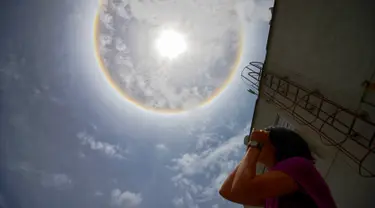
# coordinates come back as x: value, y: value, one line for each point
x: 313, y: 192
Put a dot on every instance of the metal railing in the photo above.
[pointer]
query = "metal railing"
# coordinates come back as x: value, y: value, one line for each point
x: 351, y: 133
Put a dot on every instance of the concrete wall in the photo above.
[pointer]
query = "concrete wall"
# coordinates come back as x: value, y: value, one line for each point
x: 325, y: 44
x: 329, y: 46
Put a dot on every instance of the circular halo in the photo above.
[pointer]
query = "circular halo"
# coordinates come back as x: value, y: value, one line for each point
x: 141, y: 106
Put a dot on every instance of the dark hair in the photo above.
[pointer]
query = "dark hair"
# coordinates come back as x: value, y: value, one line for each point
x: 288, y: 144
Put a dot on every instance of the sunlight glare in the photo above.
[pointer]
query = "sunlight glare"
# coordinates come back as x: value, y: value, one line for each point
x: 171, y: 44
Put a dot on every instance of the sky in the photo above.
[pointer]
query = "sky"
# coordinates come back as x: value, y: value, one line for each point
x: 92, y: 116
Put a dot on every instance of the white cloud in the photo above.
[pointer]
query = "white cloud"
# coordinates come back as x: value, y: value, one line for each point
x: 81, y: 155
x: 254, y: 10
x: 178, y: 202
x: 212, y: 161
x: 215, y: 206
x: 161, y: 147
x: 108, y: 149
x: 48, y: 180
x: 207, y: 140
x: 126, y: 198
x: 196, y: 163
x: 211, y: 28
x: 59, y: 181
x: 190, y: 201
x: 98, y: 193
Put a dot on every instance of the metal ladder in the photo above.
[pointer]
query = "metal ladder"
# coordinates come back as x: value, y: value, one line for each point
x: 351, y: 133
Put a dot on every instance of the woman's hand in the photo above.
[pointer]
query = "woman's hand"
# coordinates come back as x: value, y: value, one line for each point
x: 260, y: 136
x: 265, y: 153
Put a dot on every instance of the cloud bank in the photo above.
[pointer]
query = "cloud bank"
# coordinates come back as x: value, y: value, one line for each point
x: 200, y: 173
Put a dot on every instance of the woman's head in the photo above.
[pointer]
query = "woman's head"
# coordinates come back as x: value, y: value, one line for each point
x: 282, y: 144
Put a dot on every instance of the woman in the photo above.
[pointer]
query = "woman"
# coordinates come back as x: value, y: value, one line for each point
x: 292, y: 180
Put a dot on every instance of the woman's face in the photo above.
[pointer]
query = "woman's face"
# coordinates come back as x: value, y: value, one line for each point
x: 267, y: 155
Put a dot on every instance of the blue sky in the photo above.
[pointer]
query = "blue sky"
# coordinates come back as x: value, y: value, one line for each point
x: 68, y: 139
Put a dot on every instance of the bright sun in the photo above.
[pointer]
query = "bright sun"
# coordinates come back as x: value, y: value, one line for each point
x: 171, y: 44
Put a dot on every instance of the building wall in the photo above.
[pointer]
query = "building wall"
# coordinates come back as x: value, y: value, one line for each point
x: 328, y: 46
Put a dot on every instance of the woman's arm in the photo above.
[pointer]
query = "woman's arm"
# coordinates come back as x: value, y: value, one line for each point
x: 249, y: 189
x: 246, y: 169
x: 226, y: 188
